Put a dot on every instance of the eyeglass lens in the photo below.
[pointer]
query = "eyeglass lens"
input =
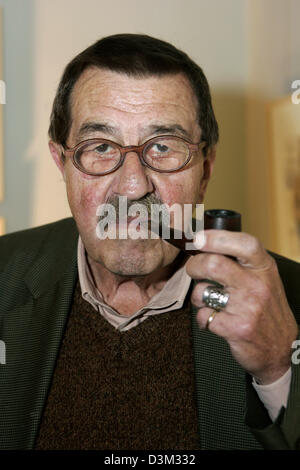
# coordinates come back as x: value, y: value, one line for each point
x: 162, y: 154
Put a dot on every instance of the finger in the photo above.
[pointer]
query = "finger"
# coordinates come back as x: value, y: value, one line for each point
x: 198, y: 291
x: 221, y: 324
x: 244, y: 247
x: 211, y: 319
x: 241, y: 302
x: 218, y: 268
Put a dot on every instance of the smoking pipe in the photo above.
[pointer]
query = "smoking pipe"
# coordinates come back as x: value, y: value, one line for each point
x: 221, y: 219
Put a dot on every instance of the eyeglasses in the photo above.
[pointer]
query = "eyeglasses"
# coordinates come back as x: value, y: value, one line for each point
x: 164, y: 154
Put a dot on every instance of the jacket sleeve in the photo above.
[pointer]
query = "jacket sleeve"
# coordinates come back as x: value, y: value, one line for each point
x: 284, y: 432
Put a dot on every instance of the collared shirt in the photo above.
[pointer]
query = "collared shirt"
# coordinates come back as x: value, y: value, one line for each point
x: 171, y: 297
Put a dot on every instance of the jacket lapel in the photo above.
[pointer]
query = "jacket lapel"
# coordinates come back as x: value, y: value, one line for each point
x: 32, y: 333
x: 221, y: 393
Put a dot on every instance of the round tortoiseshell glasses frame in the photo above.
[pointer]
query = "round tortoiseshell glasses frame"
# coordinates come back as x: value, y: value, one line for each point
x: 139, y: 149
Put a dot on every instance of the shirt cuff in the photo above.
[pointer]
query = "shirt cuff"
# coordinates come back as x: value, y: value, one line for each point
x: 275, y: 395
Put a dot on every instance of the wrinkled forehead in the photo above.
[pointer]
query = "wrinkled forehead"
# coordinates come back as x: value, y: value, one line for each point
x: 102, y: 87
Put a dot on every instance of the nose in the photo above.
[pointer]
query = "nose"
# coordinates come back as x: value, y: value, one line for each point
x: 132, y: 179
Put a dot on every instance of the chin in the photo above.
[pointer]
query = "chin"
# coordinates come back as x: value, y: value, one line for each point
x: 130, y: 257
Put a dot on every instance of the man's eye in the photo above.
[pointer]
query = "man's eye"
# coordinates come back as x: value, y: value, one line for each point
x: 160, y: 148
x: 103, y: 148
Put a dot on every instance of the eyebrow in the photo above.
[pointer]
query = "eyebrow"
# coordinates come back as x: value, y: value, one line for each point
x: 168, y: 129
x: 88, y: 127
x: 153, y: 129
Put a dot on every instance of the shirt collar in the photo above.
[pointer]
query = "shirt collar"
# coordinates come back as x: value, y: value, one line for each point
x: 171, y: 296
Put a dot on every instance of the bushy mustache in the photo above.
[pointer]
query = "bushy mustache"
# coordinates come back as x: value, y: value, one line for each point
x: 147, y: 201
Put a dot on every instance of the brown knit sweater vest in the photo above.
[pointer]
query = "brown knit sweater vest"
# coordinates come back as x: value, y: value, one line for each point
x: 118, y: 391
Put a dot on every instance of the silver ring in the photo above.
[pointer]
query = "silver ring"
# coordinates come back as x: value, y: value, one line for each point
x: 215, y: 297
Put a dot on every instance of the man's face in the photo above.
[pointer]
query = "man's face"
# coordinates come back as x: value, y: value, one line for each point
x: 130, y: 111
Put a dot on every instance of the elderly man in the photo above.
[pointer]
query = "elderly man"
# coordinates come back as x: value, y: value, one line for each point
x: 111, y: 343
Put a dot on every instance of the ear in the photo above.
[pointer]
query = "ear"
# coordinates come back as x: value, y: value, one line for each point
x: 208, y: 166
x: 56, y: 152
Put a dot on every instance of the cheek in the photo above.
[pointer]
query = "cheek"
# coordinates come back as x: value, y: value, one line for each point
x: 88, y: 203
x: 181, y: 188
x: 84, y: 196
x: 172, y: 193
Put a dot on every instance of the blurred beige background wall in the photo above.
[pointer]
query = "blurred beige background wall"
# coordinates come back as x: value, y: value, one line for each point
x: 247, y: 48
x: 273, y: 63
